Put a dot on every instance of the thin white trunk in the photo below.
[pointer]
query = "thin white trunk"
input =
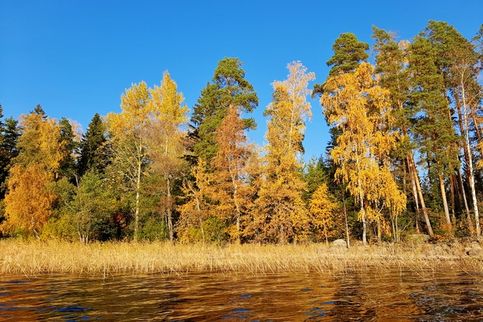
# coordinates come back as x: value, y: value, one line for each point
x: 415, y: 193
x: 346, y: 226
x: 465, y: 202
x: 421, y: 199
x: 445, y: 202
x: 471, y: 178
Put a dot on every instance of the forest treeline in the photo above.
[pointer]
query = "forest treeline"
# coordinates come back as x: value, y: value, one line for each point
x: 405, y: 154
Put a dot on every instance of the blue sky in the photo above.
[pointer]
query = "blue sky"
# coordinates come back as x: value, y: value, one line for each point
x: 76, y: 57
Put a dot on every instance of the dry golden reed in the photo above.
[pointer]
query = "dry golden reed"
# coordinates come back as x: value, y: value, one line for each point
x: 36, y: 257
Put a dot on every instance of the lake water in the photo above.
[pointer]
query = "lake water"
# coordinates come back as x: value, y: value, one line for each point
x: 389, y: 294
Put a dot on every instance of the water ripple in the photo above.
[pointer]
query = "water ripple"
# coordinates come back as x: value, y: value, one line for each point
x: 357, y: 295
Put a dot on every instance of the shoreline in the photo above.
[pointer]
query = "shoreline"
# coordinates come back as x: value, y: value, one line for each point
x: 112, y: 258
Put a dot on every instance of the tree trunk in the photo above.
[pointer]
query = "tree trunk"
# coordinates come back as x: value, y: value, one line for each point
x: 363, y: 213
x: 421, y: 198
x: 379, y: 231
x: 445, y: 202
x: 346, y: 224
x: 198, y: 210
x: 238, y: 210
x: 414, y: 191
x: 168, y: 210
x: 471, y: 177
x: 136, y: 211
x: 364, y: 224
x: 465, y: 202
x: 452, y: 198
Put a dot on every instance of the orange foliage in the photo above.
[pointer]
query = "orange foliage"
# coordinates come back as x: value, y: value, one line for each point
x: 29, y: 200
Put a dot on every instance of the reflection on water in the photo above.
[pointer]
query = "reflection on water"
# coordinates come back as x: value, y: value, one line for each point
x: 369, y: 295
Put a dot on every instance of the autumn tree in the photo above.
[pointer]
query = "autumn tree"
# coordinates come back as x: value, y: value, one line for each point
x: 229, y: 172
x: 196, y: 208
x: 29, y: 200
x: 315, y: 174
x: 322, y: 212
x: 281, y: 215
x: 228, y: 87
x: 128, y: 131
x: 165, y: 140
x: 359, y: 107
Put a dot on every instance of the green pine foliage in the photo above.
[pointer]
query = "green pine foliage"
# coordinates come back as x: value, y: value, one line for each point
x: 229, y: 87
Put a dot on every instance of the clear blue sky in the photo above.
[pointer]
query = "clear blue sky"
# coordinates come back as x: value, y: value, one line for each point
x: 76, y: 57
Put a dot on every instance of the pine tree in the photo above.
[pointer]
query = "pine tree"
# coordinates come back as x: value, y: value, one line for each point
x: 70, y: 143
x: 457, y: 60
x: 391, y: 67
x: 349, y: 52
x: 228, y: 88
x: 9, y: 133
x: 93, y: 148
x: 434, y: 128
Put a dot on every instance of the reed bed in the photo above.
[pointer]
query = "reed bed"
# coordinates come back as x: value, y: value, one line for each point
x: 36, y: 257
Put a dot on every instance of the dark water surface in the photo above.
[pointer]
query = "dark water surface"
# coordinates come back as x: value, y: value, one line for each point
x: 383, y: 295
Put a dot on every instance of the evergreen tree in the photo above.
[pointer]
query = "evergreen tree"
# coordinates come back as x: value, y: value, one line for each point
x: 68, y: 139
x: 433, y: 128
x: 89, y: 209
x: 457, y: 60
x: 391, y: 67
x: 349, y: 52
x: 228, y: 88
x: 93, y: 148
x: 315, y: 174
x: 9, y: 133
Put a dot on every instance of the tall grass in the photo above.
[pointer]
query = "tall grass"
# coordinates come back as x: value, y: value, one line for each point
x: 35, y: 257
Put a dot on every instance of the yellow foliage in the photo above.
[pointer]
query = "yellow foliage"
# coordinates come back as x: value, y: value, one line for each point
x: 40, y: 142
x: 361, y: 109
x: 29, y: 200
x: 230, y: 193
x: 197, y: 208
x: 322, y: 214
x: 479, y: 164
x: 280, y: 213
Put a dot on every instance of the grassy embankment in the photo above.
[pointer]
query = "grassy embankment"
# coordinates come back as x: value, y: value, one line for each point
x: 30, y: 258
